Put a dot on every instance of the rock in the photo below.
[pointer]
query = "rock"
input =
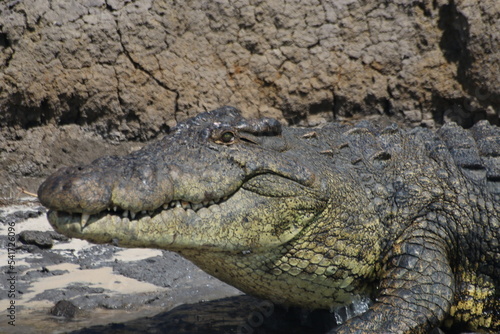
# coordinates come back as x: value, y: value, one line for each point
x: 42, y: 239
x: 44, y: 272
x: 21, y: 214
x: 65, y: 309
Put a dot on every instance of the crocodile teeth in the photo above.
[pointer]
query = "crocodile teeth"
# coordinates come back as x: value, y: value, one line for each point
x: 85, y: 218
x: 185, y: 205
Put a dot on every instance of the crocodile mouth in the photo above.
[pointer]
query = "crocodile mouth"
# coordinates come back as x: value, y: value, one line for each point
x: 116, y: 211
x: 261, y: 186
x: 209, y: 224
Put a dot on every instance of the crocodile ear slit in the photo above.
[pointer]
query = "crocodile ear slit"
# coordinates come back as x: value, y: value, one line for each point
x: 264, y: 126
x: 248, y: 140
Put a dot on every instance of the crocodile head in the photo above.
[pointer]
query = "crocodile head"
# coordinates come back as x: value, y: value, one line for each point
x: 215, y: 182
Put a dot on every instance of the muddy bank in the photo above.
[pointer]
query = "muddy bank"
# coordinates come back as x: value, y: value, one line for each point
x: 137, y: 67
x: 74, y: 73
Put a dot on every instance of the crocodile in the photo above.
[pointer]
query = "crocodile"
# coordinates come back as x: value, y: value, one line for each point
x: 311, y: 217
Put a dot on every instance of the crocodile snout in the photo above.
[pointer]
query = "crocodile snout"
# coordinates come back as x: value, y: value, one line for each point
x: 115, y: 182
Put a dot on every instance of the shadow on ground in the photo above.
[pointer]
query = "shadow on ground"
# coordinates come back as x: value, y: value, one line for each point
x: 233, y: 315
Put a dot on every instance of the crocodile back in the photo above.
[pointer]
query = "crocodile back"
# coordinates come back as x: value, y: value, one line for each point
x: 453, y: 176
x: 477, y: 153
x: 407, y: 173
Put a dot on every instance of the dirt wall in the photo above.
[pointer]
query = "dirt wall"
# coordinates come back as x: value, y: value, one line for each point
x: 127, y: 70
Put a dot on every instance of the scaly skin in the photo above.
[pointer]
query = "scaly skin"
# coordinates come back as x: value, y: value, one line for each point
x: 310, y: 217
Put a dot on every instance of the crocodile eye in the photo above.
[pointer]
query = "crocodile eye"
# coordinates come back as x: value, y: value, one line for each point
x: 227, y: 137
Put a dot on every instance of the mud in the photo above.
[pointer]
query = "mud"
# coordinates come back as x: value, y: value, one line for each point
x: 27, y: 156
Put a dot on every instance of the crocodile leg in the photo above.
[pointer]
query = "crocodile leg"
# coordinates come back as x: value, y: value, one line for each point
x: 416, y: 288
